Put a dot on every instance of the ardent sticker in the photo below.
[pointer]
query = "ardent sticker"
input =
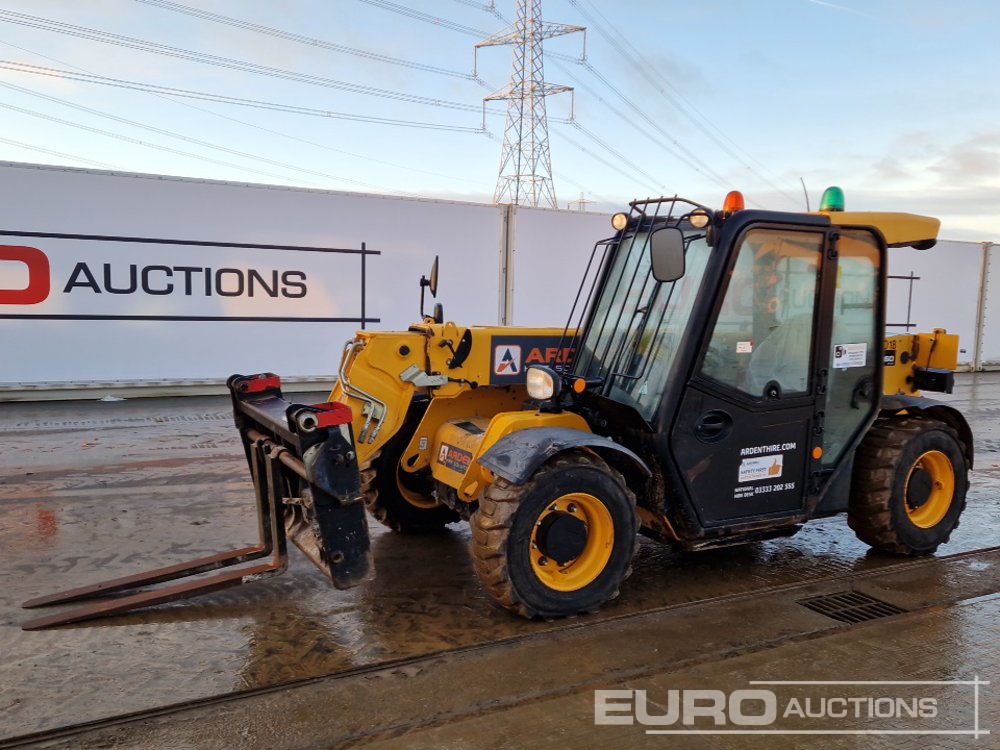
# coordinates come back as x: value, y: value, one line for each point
x: 761, y: 467
x: 513, y: 355
x: 454, y: 458
x: 507, y: 360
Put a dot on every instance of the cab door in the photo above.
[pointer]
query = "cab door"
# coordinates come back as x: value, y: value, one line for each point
x: 750, y: 422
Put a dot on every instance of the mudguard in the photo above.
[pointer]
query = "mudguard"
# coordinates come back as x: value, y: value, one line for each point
x: 517, y: 456
x: 934, y: 409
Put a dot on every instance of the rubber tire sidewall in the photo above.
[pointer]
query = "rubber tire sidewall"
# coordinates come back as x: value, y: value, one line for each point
x: 919, y: 539
x: 535, y: 595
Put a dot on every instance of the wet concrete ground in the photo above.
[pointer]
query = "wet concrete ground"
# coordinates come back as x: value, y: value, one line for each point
x: 96, y: 490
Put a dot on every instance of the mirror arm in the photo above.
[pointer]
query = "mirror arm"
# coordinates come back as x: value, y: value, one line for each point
x: 424, y: 283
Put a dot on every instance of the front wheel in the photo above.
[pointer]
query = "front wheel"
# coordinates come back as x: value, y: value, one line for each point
x: 910, y: 480
x: 403, y: 501
x: 560, y: 544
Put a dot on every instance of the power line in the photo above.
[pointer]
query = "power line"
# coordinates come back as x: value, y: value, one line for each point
x: 677, y: 99
x: 61, y: 154
x: 136, y: 141
x: 255, y: 126
x: 597, y: 197
x: 118, y: 40
x: 621, y: 157
x: 437, y: 21
x: 417, y: 15
x: 491, y: 8
x: 653, y: 138
x: 300, y: 38
x: 179, y: 136
x: 677, y: 150
x: 222, y: 98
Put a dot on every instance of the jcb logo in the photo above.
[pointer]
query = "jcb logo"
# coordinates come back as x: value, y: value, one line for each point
x: 39, y: 279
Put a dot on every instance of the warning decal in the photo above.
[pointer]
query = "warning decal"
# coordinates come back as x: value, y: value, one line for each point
x: 454, y: 458
x: 850, y: 355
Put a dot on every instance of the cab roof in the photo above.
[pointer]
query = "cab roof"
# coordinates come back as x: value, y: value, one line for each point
x: 898, y: 229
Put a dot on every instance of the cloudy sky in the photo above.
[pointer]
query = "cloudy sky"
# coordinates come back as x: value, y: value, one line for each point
x: 896, y: 101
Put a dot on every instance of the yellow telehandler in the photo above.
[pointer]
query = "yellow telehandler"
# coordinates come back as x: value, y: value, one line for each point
x: 724, y: 378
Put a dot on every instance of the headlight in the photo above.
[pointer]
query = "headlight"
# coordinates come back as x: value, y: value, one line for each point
x: 543, y: 383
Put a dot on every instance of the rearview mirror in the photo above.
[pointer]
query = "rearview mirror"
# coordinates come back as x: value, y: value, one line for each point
x: 434, y: 278
x: 666, y: 253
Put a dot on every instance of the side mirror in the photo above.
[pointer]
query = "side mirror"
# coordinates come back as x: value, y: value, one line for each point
x: 431, y: 283
x: 666, y: 253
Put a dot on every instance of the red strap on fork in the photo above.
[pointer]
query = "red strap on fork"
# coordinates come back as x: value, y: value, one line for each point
x: 333, y: 413
x: 259, y: 385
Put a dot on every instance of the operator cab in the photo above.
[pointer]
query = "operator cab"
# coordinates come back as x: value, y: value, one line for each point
x: 740, y: 348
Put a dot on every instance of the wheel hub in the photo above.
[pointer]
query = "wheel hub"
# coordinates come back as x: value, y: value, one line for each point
x: 929, y: 489
x: 919, y: 488
x: 571, y: 542
x: 561, y: 537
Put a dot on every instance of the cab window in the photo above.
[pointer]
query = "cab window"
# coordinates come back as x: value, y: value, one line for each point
x: 762, y: 340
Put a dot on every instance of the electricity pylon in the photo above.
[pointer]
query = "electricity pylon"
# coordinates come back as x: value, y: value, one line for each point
x: 525, y: 176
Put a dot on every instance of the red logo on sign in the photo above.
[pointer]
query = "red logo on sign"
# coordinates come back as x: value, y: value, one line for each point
x: 39, y: 280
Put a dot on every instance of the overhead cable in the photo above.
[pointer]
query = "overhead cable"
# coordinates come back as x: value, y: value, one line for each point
x: 105, y: 37
x: 425, y: 17
x: 627, y: 51
x: 186, y: 138
x: 300, y: 38
x: 255, y: 126
x: 60, y: 154
x: 223, y: 99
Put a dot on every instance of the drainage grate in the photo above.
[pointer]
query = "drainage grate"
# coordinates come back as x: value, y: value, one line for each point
x: 851, y: 607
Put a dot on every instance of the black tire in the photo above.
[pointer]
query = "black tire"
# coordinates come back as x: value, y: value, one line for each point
x: 383, y: 485
x: 901, y: 498
x: 524, y: 538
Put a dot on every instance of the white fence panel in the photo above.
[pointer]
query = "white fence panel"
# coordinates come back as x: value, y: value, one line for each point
x: 174, y: 326
x: 552, y: 249
x: 112, y: 277
x: 943, y: 291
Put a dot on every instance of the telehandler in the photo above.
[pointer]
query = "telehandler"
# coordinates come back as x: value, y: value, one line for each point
x: 723, y: 378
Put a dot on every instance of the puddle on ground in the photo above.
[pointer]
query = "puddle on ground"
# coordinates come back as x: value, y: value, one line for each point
x: 114, y: 497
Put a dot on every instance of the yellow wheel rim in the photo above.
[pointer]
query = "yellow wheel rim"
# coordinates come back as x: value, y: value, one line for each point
x: 416, y: 499
x: 572, y: 541
x: 940, y: 475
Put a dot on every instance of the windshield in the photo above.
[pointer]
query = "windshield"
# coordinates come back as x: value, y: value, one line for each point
x: 637, y: 323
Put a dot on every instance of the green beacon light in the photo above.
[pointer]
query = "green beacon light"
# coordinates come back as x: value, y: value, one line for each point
x: 833, y: 199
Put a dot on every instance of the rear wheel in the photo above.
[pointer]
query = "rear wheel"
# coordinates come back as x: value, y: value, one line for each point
x: 910, y: 480
x: 404, y: 501
x: 561, y: 543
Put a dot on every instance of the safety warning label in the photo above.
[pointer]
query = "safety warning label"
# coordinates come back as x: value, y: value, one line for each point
x: 850, y: 355
x: 761, y: 467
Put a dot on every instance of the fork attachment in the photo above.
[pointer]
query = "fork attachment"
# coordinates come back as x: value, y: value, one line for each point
x: 306, y: 486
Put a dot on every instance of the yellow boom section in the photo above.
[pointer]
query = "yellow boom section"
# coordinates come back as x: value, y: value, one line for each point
x: 911, y: 359
x: 458, y: 371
